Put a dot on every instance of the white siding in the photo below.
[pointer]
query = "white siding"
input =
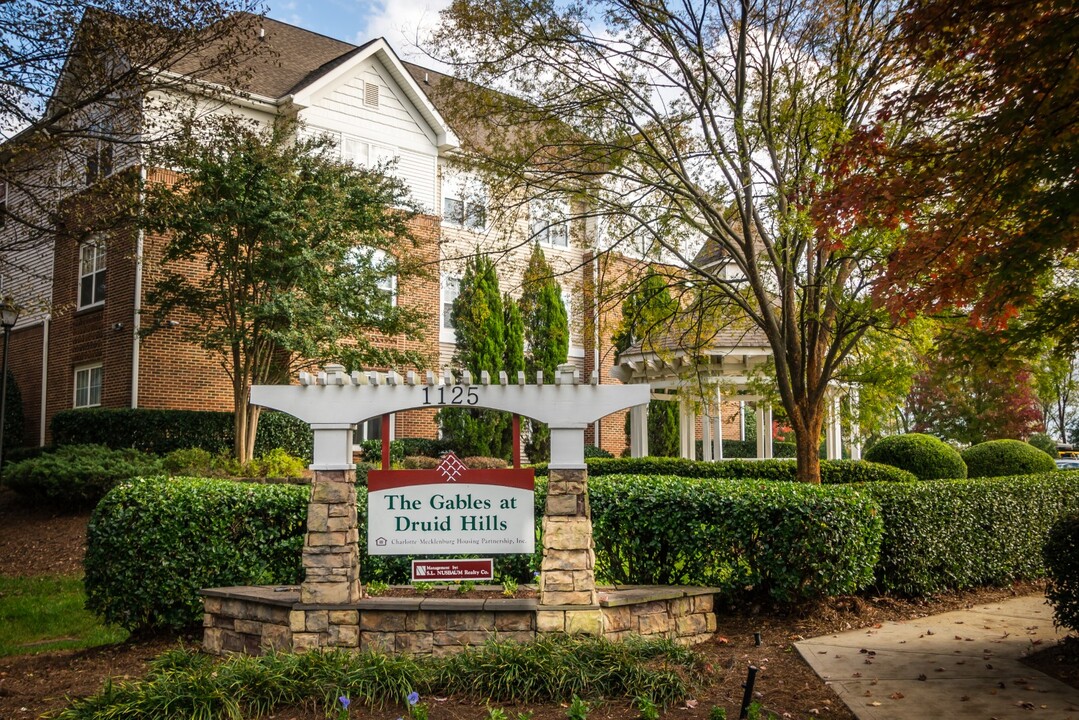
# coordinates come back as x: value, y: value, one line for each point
x: 339, y: 109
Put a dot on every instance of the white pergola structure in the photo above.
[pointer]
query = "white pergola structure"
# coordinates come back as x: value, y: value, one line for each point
x: 702, y: 380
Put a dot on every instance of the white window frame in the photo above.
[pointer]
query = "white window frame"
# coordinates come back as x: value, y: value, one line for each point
x: 98, y: 266
x: 100, y: 155
x: 360, y: 150
x: 362, y: 430
x: 446, y: 332
x: 88, y: 371
x: 549, y: 221
x: 470, y: 197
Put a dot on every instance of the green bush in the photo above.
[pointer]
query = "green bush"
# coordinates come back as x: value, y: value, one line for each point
x: 75, y: 476
x: 833, y: 472
x: 747, y: 449
x: 190, y: 461
x: 924, y: 455
x: 201, y: 463
x: 1061, y: 556
x: 152, y: 544
x: 162, y: 431
x: 1044, y: 443
x: 963, y: 533
x: 784, y: 541
x: 277, y: 463
x: 419, y: 462
x: 591, y: 451
x: 998, y: 458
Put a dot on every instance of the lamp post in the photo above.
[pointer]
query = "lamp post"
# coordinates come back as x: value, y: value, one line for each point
x: 9, y: 315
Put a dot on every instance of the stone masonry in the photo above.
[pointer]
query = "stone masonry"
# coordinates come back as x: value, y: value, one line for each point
x: 569, y: 601
x: 331, y: 564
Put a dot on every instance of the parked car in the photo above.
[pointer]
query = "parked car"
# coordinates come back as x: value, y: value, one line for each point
x: 1068, y: 464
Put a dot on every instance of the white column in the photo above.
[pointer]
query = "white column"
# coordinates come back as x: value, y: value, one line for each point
x: 567, y: 448
x: 834, y: 430
x: 855, y: 439
x: 717, y: 428
x: 638, y: 430
x: 706, y: 436
x: 687, y: 430
x: 769, y: 441
x: 763, y: 430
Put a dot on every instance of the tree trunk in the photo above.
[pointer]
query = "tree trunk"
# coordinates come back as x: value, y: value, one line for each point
x: 807, y: 447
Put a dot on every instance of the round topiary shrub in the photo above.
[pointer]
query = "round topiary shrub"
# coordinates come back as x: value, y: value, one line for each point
x: 924, y: 455
x: 1000, y: 458
x: 1061, y: 555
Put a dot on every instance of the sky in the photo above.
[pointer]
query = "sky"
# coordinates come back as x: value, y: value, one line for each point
x: 357, y: 21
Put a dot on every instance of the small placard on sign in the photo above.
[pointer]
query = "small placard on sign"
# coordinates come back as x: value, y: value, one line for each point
x: 452, y: 570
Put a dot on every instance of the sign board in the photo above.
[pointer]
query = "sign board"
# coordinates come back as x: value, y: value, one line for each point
x: 450, y: 510
x: 450, y: 570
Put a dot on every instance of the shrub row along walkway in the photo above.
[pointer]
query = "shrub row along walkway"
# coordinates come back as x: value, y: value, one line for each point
x: 961, y: 664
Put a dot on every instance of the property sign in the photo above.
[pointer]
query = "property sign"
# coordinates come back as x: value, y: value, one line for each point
x: 449, y: 570
x: 450, y: 510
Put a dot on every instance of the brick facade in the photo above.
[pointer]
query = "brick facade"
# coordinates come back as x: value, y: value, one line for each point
x: 24, y: 362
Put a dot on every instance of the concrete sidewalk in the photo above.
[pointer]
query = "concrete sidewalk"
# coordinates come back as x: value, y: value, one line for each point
x: 962, y: 664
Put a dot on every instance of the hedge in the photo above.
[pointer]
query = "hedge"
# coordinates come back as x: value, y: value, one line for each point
x: 162, y: 431
x: 152, y: 544
x: 833, y: 472
x: 1061, y: 555
x: 924, y: 455
x: 999, y: 458
x: 954, y: 534
x: 76, y: 476
x: 784, y: 541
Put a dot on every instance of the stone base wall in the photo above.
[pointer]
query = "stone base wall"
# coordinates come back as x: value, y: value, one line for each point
x: 253, y: 619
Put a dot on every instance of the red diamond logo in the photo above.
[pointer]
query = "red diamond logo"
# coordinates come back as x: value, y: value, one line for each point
x: 451, y: 467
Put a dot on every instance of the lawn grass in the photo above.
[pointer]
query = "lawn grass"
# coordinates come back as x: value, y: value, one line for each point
x: 46, y: 613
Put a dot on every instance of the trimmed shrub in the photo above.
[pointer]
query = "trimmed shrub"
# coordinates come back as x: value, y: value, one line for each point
x: 591, y: 451
x: 478, y: 462
x: 833, y: 472
x: 998, y: 458
x: 963, y: 533
x: 419, y: 462
x: 200, y: 463
x: 784, y: 541
x: 76, y: 476
x: 1061, y: 556
x: 162, y: 431
x: 152, y: 544
x: 924, y: 455
x: 1044, y: 443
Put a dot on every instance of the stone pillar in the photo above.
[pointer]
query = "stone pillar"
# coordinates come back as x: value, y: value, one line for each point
x: 331, y: 564
x: 568, y: 601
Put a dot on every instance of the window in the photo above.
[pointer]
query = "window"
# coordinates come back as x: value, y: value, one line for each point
x: 550, y: 222
x: 451, y: 288
x: 91, y: 273
x: 88, y: 385
x: 354, y: 151
x: 99, y: 151
x: 464, y: 202
x: 381, y: 264
x: 372, y: 429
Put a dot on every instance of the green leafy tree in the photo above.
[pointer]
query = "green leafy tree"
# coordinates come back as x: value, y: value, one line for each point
x: 546, y: 331
x: 676, y: 122
x: 276, y: 256
x: 479, y: 319
x: 647, y: 314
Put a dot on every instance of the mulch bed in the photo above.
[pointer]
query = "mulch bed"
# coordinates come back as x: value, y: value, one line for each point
x: 39, y: 541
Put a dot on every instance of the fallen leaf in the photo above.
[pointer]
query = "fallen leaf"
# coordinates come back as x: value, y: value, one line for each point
x: 875, y: 703
x: 923, y: 677
x: 897, y: 696
x: 691, y: 704
x: 965, y: 698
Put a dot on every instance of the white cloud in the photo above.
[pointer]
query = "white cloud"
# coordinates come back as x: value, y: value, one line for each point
x: 404, y: 24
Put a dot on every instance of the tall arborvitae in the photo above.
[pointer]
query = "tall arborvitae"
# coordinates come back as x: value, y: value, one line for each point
x: 646, y: 314
x: 479, y: 319
x: 546, y: 332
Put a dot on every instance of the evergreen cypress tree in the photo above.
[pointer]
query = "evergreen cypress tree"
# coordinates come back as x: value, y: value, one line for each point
x: 479, y: 319
x: 546, y: 331
x: 646, y: 313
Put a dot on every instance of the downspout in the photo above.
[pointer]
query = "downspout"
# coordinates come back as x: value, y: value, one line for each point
x: 44, y: 378
x: 136, y: 341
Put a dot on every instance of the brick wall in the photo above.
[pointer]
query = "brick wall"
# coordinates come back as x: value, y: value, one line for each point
x: 24, y: 361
